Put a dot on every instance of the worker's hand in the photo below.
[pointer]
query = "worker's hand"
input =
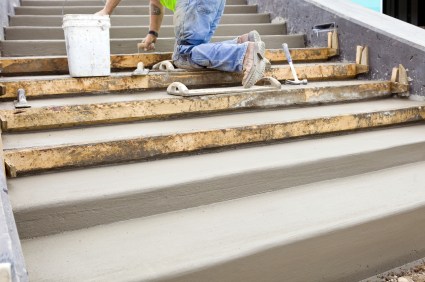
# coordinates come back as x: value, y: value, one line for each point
x: 102, y: 13
x: 148, y: 44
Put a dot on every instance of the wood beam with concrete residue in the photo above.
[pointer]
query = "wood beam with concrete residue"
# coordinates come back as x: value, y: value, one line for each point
x: 59, y: 64
x: 60, y: 85
x: 37, y: 159
x: 162, y: 107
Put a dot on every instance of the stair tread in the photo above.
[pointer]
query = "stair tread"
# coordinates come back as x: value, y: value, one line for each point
x: 48, y: 47
x: 120, y: 20
x: 96, y: 2
x: 161, y: 128
x: 34, y: 192
x: 121, y: 10
x: 116, y: 32
x: 154, y: 95
x: 200, y: 238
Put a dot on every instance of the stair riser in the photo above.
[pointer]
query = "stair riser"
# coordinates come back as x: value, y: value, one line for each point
x: 23, y: 33
x: 59, y: 65
x: 348, y: 254
x: 107, y: 113
x: 60, y: 86
x: 129, y: 10
x: 46, y: 220
x: 56, y: 21
x: 97, y: 2
x: 33, y: 160
x: 19, y: 48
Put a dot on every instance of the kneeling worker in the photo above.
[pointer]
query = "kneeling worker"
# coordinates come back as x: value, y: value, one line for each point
x: 195, y: 22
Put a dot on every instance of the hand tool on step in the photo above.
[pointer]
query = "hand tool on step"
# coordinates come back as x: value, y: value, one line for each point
x: 140, y: 69
x: 179, y: 89
x: 22, y: 100
x: 143, y: 45
x: 296, y: 81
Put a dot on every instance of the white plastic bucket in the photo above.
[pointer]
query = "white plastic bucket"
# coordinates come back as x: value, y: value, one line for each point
x: 87, y: 45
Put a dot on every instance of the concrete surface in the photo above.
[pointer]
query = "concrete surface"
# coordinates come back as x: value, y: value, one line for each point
x: 19, y: 48
x: 120, y: 10
x: 34, y: 20
x: 385, y: 36
x: 53, y: 203
x: 43, y: 33
x: 338, y: 230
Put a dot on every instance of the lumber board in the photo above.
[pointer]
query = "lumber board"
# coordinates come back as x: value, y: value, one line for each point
x: 37, y: 159
x: 60, y: 85
x: 65, y: 116
x: 59, y: 64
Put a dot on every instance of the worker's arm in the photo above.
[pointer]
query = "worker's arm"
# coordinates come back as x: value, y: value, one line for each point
x: 157, y: 14
x: 109, y: 7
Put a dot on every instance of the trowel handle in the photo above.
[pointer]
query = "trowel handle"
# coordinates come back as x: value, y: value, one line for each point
x: 287, y: 54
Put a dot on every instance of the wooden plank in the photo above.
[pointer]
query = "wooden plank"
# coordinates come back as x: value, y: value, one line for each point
x: 59, y: 85
x: 59, y: 65
x: 55, y: 33
x: 120, y: 10
x: 52, y: 117
x: 32, y: 160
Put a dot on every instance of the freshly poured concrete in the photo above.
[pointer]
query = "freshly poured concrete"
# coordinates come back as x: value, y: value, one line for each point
x: 123, y: 131
x: 339, y: 230
x: 56, y: 202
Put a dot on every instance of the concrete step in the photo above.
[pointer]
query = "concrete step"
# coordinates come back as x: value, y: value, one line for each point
x: 100, y: 2
x: 19, y: 48
x: 16, y: 66
x: 135, y: 20
x: 129, y: 107
x: 43, y: 33
x: 120, y: 10
x: 26, y: 153
x: 60, y: 85
x: 344, y: 229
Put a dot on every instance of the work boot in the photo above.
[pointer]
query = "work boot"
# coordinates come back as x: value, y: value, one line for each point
x: 254, y: 63
x: 252, y: 36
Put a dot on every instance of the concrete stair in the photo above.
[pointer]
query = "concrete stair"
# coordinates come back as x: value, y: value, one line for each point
x: 35, y: 29
x: 339, y: 230
x: 111, y: 178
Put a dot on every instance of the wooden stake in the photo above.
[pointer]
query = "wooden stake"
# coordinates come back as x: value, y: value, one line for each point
x: 359, y: 52
x: 365, y: 56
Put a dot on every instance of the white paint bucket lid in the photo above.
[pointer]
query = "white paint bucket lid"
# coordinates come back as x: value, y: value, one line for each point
x: 90, y: 20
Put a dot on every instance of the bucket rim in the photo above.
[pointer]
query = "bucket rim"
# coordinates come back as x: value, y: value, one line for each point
x: 85, y: 17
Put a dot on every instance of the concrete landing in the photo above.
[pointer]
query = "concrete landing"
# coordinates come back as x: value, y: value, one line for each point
x: 338, y: 230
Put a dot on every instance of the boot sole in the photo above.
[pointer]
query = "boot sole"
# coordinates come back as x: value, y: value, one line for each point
x: 258, y: 68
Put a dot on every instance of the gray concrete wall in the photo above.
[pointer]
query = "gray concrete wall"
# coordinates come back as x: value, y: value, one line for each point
x: 391, y: 41
x: 6, y: 10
